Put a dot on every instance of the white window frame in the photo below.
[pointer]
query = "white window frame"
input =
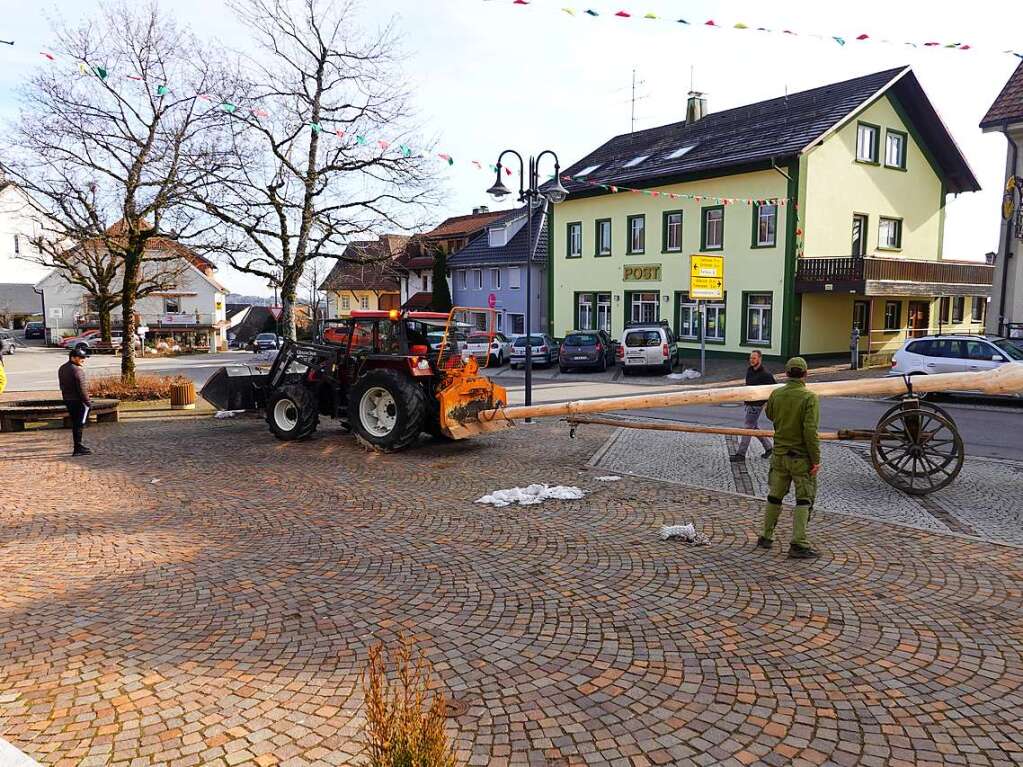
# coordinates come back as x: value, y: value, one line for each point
x: 637, y: 234
x: 604, y: 317
x: 771, y: 220
x: 601, y: 250
x: 514, y: 278
x: 177, y: 303
x: 886, y: 227
x: 584, y: 301
x: 495, y: 279
x: 575, y: 239
x: 864, y: 220
x: 863, y: 130
x: 692, y: 310
x: 635, y: 161
x: 762, y: 310
x: 477, y: 279
x: 719, y: 311
x: 499, y: 322
x: 708, y: 244
x: 641, y: 300
x: 464, y: 273
x: 668, y: 226
x: 900, y: 160
x: 346, y: 303
x: 364, y: 302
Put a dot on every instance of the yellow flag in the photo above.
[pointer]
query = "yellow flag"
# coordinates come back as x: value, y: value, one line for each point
x: 740, y: 25
x: 569, y: 11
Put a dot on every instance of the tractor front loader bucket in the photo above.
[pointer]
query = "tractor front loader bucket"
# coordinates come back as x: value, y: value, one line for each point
x: 236, y: 387
x: 463, y: 396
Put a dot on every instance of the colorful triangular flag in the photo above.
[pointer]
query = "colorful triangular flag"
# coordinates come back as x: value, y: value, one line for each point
x: 162, y: 90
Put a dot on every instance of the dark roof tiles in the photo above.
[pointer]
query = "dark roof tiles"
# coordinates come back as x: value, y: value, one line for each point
x: 1008, y: 107
x: 479, y: 253
x: 755, y: 134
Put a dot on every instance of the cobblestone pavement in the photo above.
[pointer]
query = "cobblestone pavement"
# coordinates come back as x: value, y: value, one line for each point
x: 223, y: 615
x: 984, y: 501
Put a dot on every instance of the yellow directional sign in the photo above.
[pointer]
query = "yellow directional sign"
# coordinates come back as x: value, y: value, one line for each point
x: 706, y: 277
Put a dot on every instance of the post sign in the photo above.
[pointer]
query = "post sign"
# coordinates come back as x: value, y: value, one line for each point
x: 642, y: 273
x: 706, y: 278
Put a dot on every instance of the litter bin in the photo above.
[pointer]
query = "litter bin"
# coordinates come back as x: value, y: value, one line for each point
x: 182, y: 396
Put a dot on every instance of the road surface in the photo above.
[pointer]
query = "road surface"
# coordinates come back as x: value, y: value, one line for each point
x: 989, y: 428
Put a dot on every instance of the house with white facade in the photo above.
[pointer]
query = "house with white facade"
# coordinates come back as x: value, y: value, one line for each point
x: 191, y: 312
x: 21, y: 221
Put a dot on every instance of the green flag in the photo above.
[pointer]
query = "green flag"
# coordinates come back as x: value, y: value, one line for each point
x: 228, y: 107
x: 100, y: 72
x: 162, y: 90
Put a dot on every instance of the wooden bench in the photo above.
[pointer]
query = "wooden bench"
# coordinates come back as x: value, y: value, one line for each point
x: 15, y: 415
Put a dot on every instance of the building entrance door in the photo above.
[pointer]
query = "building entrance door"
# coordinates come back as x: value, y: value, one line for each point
x: 919, y: 318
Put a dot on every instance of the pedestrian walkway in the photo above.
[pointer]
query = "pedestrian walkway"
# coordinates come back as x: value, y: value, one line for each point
x: 222, y: 614
x: 984, y: 501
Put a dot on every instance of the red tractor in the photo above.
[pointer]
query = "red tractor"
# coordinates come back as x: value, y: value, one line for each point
x: 387, y: 376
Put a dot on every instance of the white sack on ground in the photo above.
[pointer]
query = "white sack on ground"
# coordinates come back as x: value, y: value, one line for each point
x: 528, y: 496
x: 686, y: 532
x: 227, y: 413
x: 609, y: 478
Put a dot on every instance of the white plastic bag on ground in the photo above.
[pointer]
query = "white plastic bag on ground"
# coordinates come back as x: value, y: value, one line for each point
x: 609, y: 478
x: 685, y: 375
x: 531, y: 495
x: 227, y: 413
x: 686, y: 533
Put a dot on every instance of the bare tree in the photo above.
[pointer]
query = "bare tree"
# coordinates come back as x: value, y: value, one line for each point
x: 312, y: 277
x: 110, y: 152
x: 322, y: 147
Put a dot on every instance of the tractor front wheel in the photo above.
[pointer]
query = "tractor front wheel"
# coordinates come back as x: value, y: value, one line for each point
x: 386, y: 410
x: 291, y: 412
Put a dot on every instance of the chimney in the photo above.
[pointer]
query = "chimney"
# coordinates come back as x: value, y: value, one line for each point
x: 480, y: 209
x: 696, y: 107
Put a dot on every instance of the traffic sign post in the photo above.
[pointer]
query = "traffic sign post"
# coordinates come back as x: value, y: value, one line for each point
x: 706, y: 283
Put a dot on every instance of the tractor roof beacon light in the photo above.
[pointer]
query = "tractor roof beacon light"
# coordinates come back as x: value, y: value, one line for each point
x: 498, y: 191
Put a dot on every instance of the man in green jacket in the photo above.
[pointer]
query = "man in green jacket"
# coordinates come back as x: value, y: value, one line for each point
x: 795, y: 412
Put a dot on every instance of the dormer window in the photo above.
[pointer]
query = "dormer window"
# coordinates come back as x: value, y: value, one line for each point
x: 587, y: 170
x: 635, y: 161
x: 498, y: 236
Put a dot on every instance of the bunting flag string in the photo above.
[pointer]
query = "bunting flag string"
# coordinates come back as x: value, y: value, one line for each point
x: 403, y: 149
x: 841, y: 40
x: 695, y: 196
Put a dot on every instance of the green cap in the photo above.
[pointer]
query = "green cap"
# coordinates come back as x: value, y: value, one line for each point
x: 796, y: 363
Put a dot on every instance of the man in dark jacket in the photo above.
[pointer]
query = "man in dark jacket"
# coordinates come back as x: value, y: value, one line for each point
x: 756, y: 375
x: 76, y: 396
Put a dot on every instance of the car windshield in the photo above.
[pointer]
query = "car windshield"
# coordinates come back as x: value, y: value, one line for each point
x: 640, y: 338
x: 581, y: 339
x: 1009, y: 349
x: 520, y: 343
x: 265, y: 337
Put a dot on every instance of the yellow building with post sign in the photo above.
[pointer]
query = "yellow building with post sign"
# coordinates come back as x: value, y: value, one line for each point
x: 823, y: 210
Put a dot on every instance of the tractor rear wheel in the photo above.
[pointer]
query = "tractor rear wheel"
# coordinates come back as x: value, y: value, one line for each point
x: 291, y: 412
x: 386, y: 410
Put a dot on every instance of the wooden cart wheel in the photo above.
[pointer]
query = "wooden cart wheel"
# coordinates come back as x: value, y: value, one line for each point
x: 916, y: 448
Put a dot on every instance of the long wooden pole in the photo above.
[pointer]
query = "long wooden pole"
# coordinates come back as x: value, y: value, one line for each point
x: 1007, y: 379
x: 833, y: 436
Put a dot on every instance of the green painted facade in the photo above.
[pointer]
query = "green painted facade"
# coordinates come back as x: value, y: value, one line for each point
x: 826, y: 186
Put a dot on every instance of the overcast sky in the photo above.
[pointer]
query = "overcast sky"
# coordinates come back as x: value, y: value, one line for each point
x: 489, y: 74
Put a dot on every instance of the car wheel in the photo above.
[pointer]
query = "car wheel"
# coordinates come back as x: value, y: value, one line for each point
x: 291, y: 412
x: 603, y: 364
x: 387, y: 410
x: 562, y: 369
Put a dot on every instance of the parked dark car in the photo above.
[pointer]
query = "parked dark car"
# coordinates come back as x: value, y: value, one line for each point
x: 266, y: 341
x: 545, y: 350
x: 35, y: 330
x: 586, y: 349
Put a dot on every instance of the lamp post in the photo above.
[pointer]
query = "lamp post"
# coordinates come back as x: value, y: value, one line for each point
x: 529, y: 193
x: 277, y: 317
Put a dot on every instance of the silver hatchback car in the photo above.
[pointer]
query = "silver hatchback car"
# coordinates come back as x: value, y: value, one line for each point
x: 954, y: 354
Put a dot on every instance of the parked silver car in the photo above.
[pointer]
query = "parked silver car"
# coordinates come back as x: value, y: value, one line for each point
x: 545, y: 350
x: 954, y: 354
x: 647, y: 346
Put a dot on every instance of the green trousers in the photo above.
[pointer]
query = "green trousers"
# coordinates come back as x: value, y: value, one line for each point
x: 785, y: 471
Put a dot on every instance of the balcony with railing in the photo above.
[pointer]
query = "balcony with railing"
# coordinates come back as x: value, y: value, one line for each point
x: 872, y: 276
